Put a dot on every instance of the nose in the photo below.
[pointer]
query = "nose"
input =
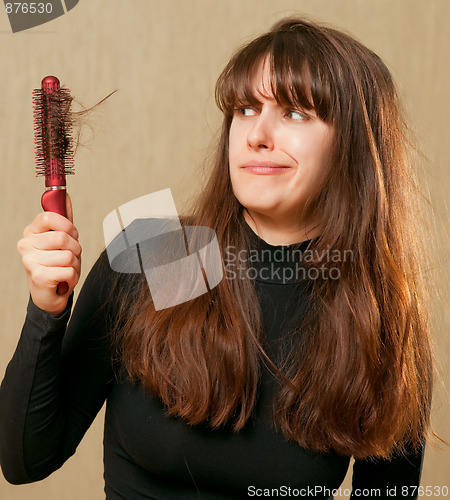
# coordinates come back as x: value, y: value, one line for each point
x: 261, y: 134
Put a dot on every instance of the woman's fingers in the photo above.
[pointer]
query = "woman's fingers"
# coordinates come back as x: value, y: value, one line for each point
x: 53, y: 240
x: 52, y: 258
x: 51, y: 255
x: 50, y: 221
x: 44, y: 277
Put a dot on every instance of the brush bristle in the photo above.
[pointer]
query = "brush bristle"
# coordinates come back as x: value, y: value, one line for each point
x: 53, y: 131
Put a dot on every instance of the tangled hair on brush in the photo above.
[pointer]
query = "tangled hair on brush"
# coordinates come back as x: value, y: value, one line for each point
x: 78, y: 120
x: 55, y: 121
x: 367, y: 390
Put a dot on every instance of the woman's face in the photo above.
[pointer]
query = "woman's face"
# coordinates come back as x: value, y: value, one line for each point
x: 278, y: 156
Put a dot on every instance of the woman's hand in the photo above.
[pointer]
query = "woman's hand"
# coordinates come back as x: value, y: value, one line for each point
x: 51, y: 254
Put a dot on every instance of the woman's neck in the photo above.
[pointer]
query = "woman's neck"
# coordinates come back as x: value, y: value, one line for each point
x: 281, y: 232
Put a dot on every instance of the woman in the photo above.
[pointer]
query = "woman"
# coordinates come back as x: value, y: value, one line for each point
x: 314, y: 346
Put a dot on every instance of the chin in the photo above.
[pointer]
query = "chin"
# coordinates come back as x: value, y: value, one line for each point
x: 259, y: 201
x: 267, y: 209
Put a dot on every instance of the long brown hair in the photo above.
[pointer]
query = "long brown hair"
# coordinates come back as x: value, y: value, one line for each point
x: 361, y: 382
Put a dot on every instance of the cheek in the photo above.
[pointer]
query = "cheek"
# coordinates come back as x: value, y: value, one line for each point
x: 313, y: 151
x: 306, y: 148
x: 231, y: 143
x: 318, y: 167
x: 236, y: 139
x: 234, y: 149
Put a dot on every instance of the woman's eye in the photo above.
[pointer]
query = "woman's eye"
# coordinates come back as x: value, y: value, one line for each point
x: 245, y: 111
x: 296, y: 115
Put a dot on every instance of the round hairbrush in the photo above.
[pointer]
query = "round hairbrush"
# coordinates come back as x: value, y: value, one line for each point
x: 54, y: 145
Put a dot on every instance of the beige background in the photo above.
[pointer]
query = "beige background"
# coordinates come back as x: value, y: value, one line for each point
x: 164, y: 57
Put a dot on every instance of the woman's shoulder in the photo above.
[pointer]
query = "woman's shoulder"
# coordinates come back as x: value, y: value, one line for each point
x: 142, y: 240
x: 143, y: 244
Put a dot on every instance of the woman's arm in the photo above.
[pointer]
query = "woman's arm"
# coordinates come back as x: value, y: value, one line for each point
x: 56, y: 383
x: 396, y: 478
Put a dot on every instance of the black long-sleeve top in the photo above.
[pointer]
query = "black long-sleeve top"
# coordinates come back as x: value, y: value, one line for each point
x: 60, y: 376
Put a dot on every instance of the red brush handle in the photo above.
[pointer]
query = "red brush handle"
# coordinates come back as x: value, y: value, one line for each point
x: 54, y: 200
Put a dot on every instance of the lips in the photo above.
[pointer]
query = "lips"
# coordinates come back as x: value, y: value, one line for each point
x: 264, y: 168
